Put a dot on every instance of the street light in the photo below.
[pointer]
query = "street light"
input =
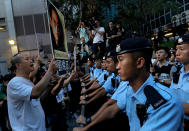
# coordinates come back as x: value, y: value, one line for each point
x: 12, y: 42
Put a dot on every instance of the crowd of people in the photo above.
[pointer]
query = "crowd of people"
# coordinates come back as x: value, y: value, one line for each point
x: 116, y: 84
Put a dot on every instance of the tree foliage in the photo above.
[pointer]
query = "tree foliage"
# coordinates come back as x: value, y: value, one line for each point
x: 135, y: 12
x: 72, y: 10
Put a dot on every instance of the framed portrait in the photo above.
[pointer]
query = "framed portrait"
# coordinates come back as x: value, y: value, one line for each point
x: 57, y: 32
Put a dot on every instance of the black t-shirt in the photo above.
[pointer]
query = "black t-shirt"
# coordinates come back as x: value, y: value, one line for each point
x: 163, y: 72
x: 110, y: 33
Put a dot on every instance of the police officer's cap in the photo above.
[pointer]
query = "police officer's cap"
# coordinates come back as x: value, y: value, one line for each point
x: 111, y: 54
x: 183, y: 39
x: 134, y: 44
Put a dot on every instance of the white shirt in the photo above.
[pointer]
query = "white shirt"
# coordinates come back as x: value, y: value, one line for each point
x: 25, y: 114
x: 97, y: 37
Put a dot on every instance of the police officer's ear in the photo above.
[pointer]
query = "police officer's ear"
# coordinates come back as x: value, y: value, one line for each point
x: 140, y: 62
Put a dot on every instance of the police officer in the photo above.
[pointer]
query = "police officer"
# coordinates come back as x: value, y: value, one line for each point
x: 93, y: 121
x: 110, y: 85
x: 100, y: 80
x: 90, y: 63
x: 96, y: 72
x: 146, y: 101
x: 149, y: 105
x: 180, y: 81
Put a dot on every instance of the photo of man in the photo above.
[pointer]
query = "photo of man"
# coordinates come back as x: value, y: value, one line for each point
x: 57, y: 32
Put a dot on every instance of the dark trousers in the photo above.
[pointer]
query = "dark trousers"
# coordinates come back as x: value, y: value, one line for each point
x: 3, y: 116
x: 99, y: 48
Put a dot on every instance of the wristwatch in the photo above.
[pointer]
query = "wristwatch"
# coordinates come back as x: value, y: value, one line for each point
x: 88, y: 120
x: 162, y: 81
x: 86, y: 96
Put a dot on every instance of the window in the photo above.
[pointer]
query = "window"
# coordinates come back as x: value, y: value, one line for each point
x: 168, y: 18
x: 28, y: 24
x: 187, y: 7
x: 162, y: 20
x: 2, y: 20
x: 181, y: 9
x: 186, y: 1
x: 39, y: 23
x: 180, y: 1
x: 157, y: 23
x: 3, y: 28
x: 153, y: 23
x: 2, y: 24
x: 19, y: 25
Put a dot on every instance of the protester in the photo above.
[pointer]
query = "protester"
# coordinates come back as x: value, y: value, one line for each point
x: 24, y: 108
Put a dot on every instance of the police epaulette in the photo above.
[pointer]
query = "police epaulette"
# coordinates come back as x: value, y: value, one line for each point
x: 118, y: 84
x: 176, y: 75
x: 113, y: 82
x: 153, y: 97
x: 105, y: 77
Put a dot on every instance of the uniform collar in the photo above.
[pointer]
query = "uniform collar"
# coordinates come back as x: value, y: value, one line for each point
x: 183, y: 72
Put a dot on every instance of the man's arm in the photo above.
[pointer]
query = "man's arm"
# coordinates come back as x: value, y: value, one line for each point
x: 106, y: 114
x: 57, y: 87
x: 38, y: 89
x: 103, y: 107
x: 91, y: 82
x: 90, y: 96
x: 94, y: 86
x: 99, y: 32
x: 101, y: 92
x: 81, y: 119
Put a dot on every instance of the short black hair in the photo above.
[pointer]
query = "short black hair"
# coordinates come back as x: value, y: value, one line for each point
x: 166, y: 49
x: 112, y: 55
x: 147, y: 55
x: 163, y: 48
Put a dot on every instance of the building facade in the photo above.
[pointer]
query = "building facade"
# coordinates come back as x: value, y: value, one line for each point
x: 25, y: 22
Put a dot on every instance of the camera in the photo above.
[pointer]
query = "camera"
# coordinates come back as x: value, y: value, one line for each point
x: 90, y: 23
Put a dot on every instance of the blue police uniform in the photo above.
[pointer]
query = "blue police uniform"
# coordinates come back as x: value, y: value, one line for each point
x: 180, y: 82
x: 182, y: 87
x: 101, y: 79
x: 97, y: 72
x: 91, y: 69
x: 108, y: 85
x: 167, y: 117
x: 119, y: 94
x: 153, y: 107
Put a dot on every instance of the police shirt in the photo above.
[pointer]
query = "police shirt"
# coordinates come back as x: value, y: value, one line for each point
x: 182, y: 88
x: 109, y: 87
x: 101, y: 79
x: 119, y: 94
x: 167, y: 117
x: 91, y: 69
x: 97, y: 72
